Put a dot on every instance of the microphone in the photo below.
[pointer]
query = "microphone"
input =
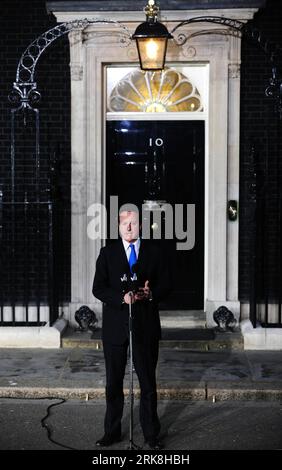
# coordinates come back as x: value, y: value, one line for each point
x: 124, y: 282
x: 134, y: 278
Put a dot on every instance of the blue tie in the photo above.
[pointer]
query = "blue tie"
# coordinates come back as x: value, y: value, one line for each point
x: 132, y: 257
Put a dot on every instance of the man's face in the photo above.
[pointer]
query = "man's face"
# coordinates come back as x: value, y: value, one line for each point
x: 129, y: 226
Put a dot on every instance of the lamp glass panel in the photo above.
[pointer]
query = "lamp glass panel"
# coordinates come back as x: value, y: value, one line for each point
x: 152, y: 52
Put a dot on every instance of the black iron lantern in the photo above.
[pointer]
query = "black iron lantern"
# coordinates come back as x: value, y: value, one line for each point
x: 151, y: 39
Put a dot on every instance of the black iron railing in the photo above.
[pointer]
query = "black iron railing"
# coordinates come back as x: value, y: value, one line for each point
x: 29, y: 247
x: 265, y: 206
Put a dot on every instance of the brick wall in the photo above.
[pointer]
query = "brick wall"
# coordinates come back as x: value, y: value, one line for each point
x: 260, y: 130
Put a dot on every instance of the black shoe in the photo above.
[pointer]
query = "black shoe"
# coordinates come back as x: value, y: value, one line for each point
x: 154, y: 444
x: 106, y: 441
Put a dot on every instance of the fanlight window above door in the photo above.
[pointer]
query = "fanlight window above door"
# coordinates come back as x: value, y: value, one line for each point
x: 155, y: 92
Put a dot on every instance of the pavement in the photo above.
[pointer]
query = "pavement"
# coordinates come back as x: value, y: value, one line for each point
x: 192, y: 425
x: 183, y: 373
x: 206, y: 380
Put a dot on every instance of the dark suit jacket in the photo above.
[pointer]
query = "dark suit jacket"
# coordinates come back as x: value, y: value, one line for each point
x: 111, y: 266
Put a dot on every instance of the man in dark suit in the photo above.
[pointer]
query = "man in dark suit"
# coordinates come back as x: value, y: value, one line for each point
x: 114, y: 264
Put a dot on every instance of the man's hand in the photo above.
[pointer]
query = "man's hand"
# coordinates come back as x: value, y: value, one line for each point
x: 129, y: 298
x: 143, y: 293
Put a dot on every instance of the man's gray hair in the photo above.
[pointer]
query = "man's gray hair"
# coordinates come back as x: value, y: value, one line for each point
x: 128, y: 208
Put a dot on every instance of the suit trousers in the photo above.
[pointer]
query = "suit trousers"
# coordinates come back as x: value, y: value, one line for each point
x: 145, y: 358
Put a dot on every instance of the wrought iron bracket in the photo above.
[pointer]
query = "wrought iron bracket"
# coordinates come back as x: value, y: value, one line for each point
x: 25, y: 94
x: 234, y: 25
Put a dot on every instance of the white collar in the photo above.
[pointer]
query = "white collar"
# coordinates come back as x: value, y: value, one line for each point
x: 136, y: 244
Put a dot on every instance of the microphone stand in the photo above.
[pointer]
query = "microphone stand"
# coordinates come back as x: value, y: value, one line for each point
x: 132, y: 445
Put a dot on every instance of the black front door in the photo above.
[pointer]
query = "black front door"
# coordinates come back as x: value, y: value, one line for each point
x: 164, y: 161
